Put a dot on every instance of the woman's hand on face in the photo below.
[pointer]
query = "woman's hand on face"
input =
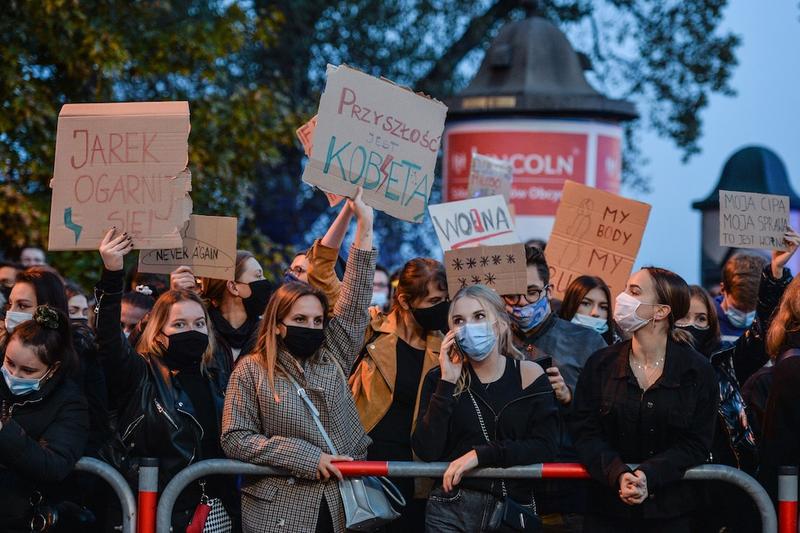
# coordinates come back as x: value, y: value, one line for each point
x: 113, y: 248
x: 449, y: 358
x: 326, y: 468
x: 456, y: 470
x: 780, y: 257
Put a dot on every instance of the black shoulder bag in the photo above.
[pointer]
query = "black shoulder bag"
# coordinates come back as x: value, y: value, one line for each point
x: 507, y: 514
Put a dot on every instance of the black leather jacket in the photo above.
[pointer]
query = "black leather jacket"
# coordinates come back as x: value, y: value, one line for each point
x: 156, y: 416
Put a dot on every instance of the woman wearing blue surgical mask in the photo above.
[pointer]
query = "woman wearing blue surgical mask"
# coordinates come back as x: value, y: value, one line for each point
x: 650, y: 401
x: 587, y: 303
x: 483, y: 407
x: 43, y: 419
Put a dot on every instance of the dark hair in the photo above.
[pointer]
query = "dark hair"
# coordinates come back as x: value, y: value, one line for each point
x: 73, y: 289
x: 11, y: 264
x: 49, y: 335
x: 696, y: 291
x: 158, y: 283
x: 412, y: 284
x: 535, y: 257
x: 48, y: 286
x: 741, y: 276
x: 577, y: 291
x: 672, y: 290
x: 137, y: 299
x: 379, y: 268
x: 214, y: 289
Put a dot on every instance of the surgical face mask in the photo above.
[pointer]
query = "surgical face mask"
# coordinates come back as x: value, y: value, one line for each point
x: 15, y: 318
x: 625, y: 313
x: 476, y: 340
x: 600, y: 325
x: 380, y: 299
x: 20, y: 386
x: 740, y: 319
x: 529, y: 316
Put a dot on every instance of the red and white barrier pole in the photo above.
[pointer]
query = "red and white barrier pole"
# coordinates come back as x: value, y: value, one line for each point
x: 564, y: 471
x: 148, y: 495
x: 787, y: 499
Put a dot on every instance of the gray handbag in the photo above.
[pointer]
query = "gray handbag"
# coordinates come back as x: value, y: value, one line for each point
x: 366, y: 506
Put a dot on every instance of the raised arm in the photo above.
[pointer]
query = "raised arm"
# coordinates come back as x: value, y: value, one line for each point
x: 323, y: 256
x: 344, y: 335
x: 124, y: 368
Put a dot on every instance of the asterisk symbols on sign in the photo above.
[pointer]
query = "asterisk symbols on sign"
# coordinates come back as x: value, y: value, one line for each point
x: 462, y: 282
x: 471, y: 262
x: 511, y: 259
x: 476, y: 279
x: 489, y: 278
x: 484, y: 261
x: 496, y: 259
x: 458, y: 264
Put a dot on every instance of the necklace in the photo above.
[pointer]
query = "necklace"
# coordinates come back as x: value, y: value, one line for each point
x: 644, y: 373
x: 644, y: 367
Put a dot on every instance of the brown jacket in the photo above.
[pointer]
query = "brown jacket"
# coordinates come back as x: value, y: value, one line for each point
x: 257, y: 429
x: 372, y: 382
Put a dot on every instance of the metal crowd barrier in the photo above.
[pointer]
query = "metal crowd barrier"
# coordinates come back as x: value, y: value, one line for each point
x: 121, y: 488
x: 201, y: 469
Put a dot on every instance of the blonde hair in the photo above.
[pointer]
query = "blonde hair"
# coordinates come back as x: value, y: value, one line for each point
x: 496, y: 309
x: 152, y: 342
x: 268, y: 343
x: 786, y: 320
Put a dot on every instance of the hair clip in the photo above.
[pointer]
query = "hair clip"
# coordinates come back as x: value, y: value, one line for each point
x: 144, y: 289
x: 46, y: 316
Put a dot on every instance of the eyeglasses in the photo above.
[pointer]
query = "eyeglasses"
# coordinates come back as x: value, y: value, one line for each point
x: 533, y: 296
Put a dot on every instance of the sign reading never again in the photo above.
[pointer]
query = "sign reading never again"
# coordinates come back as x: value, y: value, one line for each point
x: 753, y: 220
x: 122, y: 165
x: 485, y: 220
x: 375, y: 134
x: 596, y: 233
x: 209, y: 248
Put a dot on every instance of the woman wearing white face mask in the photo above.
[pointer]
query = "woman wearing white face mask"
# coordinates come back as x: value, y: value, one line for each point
x: 651, y: 401
x: 587, y: 303
x: 43, y: 418
x: 482, y: 407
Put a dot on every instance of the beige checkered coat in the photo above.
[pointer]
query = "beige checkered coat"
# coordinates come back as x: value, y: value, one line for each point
x: 259, y: 430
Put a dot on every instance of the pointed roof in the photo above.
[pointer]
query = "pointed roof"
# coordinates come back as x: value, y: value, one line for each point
x: 752, y: 169
x: 531, y: 67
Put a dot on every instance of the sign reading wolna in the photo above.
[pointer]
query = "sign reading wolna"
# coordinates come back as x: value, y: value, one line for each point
x: 473, y: 222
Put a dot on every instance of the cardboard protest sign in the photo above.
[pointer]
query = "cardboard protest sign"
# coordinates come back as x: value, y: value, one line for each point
x: 209, y: 247
x: 305, y: 134
x: 501, y: 268
x: 121, y: 165
x: 473, y: 222
x: 752, y: 220
x: 383, y: 137
x: 596, y: 233
x: 489, y: 176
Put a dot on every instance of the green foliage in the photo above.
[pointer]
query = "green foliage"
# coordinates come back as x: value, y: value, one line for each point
x: 253, y: 71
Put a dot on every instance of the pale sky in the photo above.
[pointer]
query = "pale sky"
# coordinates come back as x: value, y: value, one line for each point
x: 766, y: 111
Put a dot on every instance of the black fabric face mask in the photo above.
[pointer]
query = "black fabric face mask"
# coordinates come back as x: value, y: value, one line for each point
x: 700, y: 336
x: 256, y: 303
x: 434, y: 317
x: 186, y: 349
x: 302, y: 342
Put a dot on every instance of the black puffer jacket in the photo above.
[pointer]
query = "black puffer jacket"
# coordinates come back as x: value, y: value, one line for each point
x: 156, y: 415
x: 40, y: 442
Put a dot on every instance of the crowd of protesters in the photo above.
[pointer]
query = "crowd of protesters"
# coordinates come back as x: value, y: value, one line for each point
x: 664, y: 377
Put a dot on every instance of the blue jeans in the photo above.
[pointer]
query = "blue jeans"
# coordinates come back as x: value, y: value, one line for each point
x: 460, y: 511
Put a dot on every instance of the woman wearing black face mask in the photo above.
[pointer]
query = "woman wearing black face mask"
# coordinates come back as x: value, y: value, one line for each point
x: 267, y: 423
x: 403, y: 346
x: 170, y: 394
x: 236, y: 306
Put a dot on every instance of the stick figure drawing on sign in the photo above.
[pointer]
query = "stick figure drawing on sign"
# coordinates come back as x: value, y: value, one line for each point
x: 577, y: 229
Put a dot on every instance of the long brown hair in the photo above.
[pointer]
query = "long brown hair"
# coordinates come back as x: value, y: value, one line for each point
x: 672, y: 290
x: 786, y: 321
x: 696, y: 291
x: 577, y: 291
x: 412, y: 284
x: 268, y: 343
x: 495, y: 308
x: 152, y: 342
x: 214, y: 289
